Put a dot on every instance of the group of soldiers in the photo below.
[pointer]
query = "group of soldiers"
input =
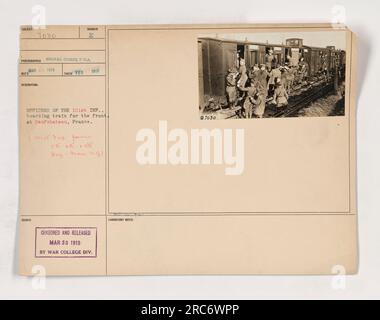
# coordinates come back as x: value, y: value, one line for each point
x: 251, y: 89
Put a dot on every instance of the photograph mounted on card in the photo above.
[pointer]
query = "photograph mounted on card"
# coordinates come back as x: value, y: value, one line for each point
x: 188, y: 149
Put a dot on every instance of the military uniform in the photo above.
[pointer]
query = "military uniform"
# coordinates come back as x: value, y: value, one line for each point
x: 276, y: 73
x: 262, y: 76
x: 304, y: 70
x: 280, y: 97
x: 270, y: 60
x: 255, y: 101
x: 288, y: 78
x: 249, y: 100
x: 243, y: 76
x: 231, y: 89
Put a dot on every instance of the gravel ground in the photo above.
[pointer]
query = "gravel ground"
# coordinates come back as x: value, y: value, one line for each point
x: 322, y: 108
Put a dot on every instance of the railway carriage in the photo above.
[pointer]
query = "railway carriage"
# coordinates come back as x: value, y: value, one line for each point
x: 218, y: 55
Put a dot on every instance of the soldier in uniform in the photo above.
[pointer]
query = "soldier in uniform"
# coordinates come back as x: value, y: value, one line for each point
x: 262, y: 77
x: 280, y: 97
x: 252, y: 74
x: 252, y: 99
x: 270, y: 59
x: 243, y: 74
x: 289, y: 78
x: 304, y: 69
x: 243, y: 78
x: 277, y: 74
x: 259, y: 104
x: 262, y: 91
x: 270, y: 85
x: 231, y: 89
x: 274, y: 76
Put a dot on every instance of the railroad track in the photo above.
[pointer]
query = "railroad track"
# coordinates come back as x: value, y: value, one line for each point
x: 296, y: 103
x: 303, y: 101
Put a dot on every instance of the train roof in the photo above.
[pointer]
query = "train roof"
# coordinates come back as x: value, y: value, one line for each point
x: 264, y: 44
x: 244, y: 42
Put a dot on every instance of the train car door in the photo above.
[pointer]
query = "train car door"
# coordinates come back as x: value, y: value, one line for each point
x: 330, y: 63
x: 288, y: 55
x: 200, y: 76
x: 241, y: 52
x: 307, y: 58
x: 230, y: 59
x: 278, y: 55
x: 253, y: 55
x: 262, y: 53
x: 206, y: 74
x: 333, y: 60
x: 312, y: 62
x: 247, y: 57
x: 216, y: 67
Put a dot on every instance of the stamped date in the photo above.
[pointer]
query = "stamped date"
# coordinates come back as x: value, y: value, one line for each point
x: 66, y: 242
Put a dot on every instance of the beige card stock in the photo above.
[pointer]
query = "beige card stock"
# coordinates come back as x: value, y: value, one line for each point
x: 139, y: 157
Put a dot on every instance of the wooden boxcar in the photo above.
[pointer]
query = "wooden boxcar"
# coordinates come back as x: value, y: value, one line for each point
x: 216, y: 56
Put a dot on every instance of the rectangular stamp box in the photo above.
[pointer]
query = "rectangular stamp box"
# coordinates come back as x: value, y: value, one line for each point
x: 66, y: 242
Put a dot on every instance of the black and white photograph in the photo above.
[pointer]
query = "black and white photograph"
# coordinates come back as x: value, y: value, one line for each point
x: 272, y: 75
